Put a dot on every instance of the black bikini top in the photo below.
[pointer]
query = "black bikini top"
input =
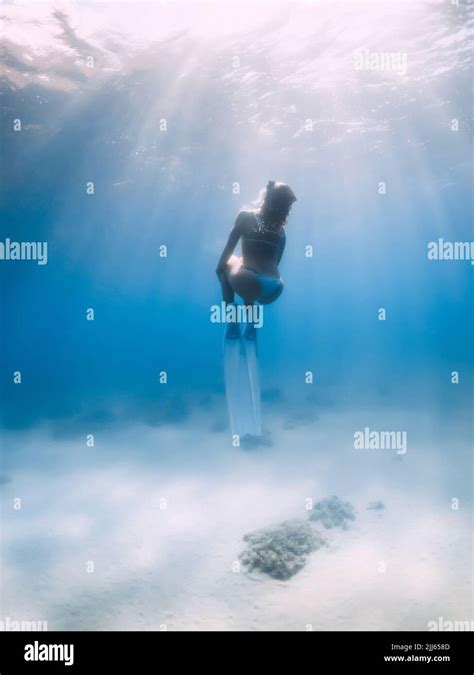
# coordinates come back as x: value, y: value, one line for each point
x: 265, y: 234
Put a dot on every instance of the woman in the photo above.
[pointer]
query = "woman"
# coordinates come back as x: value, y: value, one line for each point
x: 255, y: 276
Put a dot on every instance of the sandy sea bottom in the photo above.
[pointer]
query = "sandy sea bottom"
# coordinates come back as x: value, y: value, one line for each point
x: 161, y: 511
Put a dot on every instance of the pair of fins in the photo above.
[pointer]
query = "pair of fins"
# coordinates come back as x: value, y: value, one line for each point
x: 242, y: 380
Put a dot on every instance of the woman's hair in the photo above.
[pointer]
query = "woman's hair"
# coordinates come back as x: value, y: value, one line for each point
x: 274, y: 201
x: 277, y: 201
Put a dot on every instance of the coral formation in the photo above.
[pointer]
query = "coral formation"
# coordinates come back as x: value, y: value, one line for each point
x: 375, y: 506
x: 333, y: 512
x: 281, y: 551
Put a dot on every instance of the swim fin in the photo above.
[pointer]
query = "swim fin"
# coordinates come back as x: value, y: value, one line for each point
x: 251, y: 357
x: 241, y: 391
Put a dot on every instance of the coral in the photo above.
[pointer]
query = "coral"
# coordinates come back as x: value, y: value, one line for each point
x: 375, y: 506
x: 281, y: 551
x: 333, y: 512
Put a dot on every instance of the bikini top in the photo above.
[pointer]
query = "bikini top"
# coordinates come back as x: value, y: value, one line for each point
x: 265, y: 234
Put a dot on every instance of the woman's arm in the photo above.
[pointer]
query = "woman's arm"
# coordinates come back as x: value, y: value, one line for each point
x: 232, y: 241
x: 282, y: 246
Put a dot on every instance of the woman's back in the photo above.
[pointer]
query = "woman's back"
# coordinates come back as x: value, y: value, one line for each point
x: 262, y: 246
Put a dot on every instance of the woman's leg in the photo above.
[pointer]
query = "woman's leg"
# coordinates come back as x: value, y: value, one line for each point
x: 232, y: 266
x: 240, y: 280
x: 227, y: 290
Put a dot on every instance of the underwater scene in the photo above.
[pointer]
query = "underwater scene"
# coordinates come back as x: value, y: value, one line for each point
x: 170, y: 460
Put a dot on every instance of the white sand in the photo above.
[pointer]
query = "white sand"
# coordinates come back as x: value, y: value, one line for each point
x: 173, y: 567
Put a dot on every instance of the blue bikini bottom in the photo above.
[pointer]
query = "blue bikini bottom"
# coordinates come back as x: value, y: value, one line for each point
x: 270, y: 289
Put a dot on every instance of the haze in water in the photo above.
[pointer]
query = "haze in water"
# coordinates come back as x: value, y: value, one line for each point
x: 134, y: 133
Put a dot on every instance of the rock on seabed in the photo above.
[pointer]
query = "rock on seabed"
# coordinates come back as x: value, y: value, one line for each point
x: 333, y: 512
x: 281, y: 551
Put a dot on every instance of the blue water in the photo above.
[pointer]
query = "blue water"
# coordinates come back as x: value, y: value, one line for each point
x: 242, y: 124
x: 175, y: 188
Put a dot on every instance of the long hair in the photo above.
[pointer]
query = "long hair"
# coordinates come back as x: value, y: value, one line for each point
x: 277, y: 202
x: 274, y: 202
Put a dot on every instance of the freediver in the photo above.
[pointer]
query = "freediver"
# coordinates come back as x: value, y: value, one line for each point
x: 255, y: 276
